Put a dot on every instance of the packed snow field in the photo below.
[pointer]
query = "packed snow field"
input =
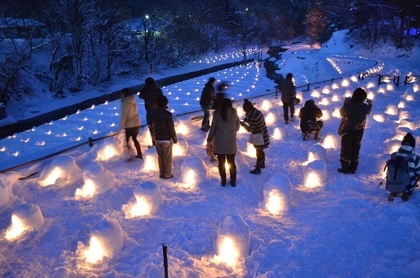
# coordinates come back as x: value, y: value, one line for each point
x: 90, y: 212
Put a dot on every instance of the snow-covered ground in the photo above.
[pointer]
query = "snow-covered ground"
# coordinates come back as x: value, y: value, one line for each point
x: 91, y: 213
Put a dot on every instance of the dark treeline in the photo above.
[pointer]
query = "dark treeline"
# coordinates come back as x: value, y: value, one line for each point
x: 90, y: 41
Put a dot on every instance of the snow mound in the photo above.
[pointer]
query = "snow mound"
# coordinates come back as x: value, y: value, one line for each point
x: 97, y: 180
x: 193, y: 171
x: 61, y: 171
x: 277, y: 194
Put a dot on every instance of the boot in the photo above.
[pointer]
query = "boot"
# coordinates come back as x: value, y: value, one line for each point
x: 353, y: 166
x: 138, y: 149
x: 232, y: 173
x: 345, y: 167
x: 222, y: 172
x: 256, y: 171
x: 258, y: 167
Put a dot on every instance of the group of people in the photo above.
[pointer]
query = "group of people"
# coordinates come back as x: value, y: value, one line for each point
x: 159, y: 120
x: 225, y: 124
x: 353, y: 113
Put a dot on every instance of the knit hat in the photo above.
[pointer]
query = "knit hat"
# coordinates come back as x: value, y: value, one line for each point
x: 408, y: 140
x: 247, y: 105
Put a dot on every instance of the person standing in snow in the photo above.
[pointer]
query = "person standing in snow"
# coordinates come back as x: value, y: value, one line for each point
x: 223, y: 129
x: 130, y: 120
x: 220, y: 95
x: 353, y: 117
x: 413, y: 162
x: 288, y: 93
x: 255, y: 123
x: 150, y: 93
x: 206, y: 100
x: 309, y: 124
x: 163, y: 131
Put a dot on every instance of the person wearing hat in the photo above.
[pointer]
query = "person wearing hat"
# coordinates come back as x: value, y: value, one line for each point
x: 163, y: 131
x: 150, y: 94
x: 413, y: 162
x: 353, y: 122
x: 288, y: 93
x: 206, y: 100
x: 254, y: 122
x: 308, y: 120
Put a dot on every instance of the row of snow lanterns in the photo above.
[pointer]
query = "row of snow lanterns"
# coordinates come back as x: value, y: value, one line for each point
x: 81, y: 130
x: 220, y: 76
x: 226, y: 56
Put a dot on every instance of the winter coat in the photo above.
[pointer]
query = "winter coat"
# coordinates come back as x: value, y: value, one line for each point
x: 207, y: 95
x: 288, y: 90
x: 162, y: 125
x: 413, y: 162
x: 129, y: 113
x: 354, y: 117
x: 256, y: 124
x: 150, y: 95
x: 224, y: 133
x: 309, y: 112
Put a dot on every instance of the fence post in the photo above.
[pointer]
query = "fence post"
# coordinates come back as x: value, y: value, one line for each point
x: 165, y: 259
x: 397, y: 83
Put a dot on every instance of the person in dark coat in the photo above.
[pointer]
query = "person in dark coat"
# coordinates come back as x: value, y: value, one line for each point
x: 223, y: 129
x: 206, y: 100
x: 288, y: 93
x: 254, y: 122
x: 220, y: 95
x: 413, y: 162
x: 163, y: 132
x: 353, y: 116
x: 150, y: 94
x: 309, y: 124
x: 130, y: 120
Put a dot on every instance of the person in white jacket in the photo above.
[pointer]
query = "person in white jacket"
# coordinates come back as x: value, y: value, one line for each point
x: 130, y: 120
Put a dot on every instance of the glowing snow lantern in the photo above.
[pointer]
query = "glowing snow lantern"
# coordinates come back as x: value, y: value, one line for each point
x: 97, y: 180
x: 316, y: 172
x: 317, y: 152
x: 182, y: 128
x: 401, y: 104
x: 345, y: 83
x: 330, y: 142
x: 277, y: 134
x: 193, y: 172
x: 250, y: 150
x: 392, y: 110
x: 315, y: 94
x: 180, y: 148
x: 335, y: 98
x: 270, y: 119
x: 62, y: 171
x: 379, y: 118
x: 336, y: 113
x: 277, y: 195
x: 265, y: 105
x: 24, y: 218
x: 150, y: 163
x: 108, y: 151
x: 233, y: 240
x: 148, y: 200
x: 106, y: 238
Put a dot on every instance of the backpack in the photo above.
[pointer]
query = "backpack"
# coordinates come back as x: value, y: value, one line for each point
x: 397, y: 174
